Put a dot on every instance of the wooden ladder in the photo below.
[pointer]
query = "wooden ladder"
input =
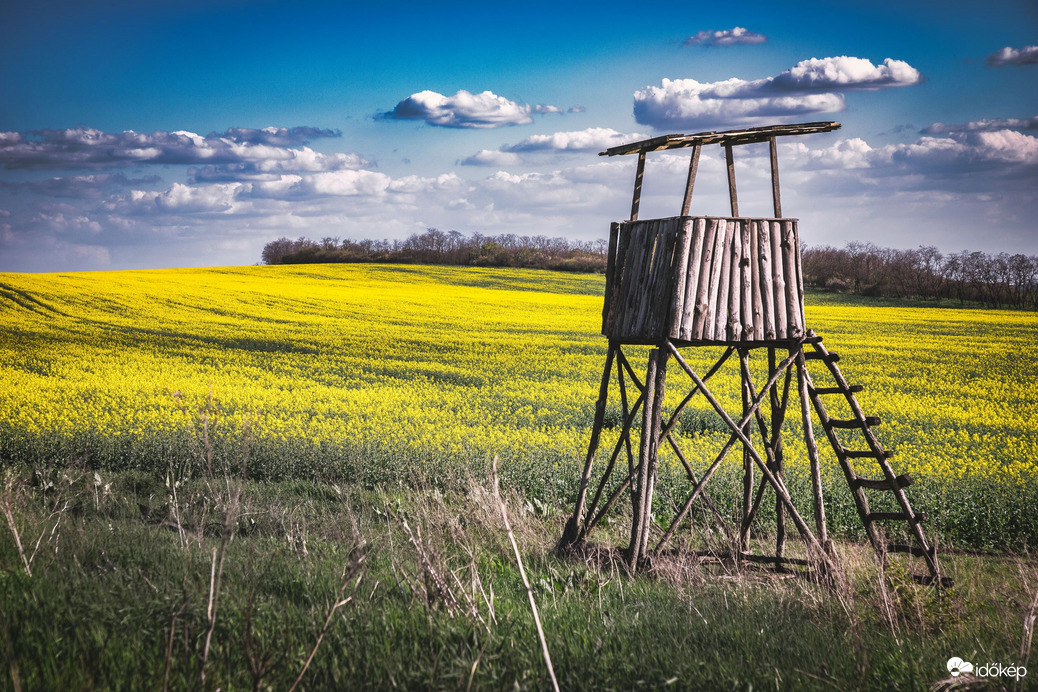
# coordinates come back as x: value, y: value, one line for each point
x: 875, y: 451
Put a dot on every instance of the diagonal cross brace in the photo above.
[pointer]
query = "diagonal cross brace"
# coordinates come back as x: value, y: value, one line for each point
x: 737, y: 433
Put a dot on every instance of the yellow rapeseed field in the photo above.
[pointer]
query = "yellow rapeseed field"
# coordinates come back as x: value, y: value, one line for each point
x: 312, y: 368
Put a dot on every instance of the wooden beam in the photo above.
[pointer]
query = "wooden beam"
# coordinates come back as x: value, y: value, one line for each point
x: 732, y: 137
x: 573, y: 525
x: 775, y: 178
x: 636, y: 202
x: 732, y: 195
x: 693, y: 166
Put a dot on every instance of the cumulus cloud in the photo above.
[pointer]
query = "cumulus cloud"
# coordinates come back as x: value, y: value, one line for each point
x: 542, y: 109
x: 986, y: 125
x: 304, y: 160
x: 1028, y: 55
x: 276, y: 136
x: 185, y: 199
x: 726, y: 37
x: 548, y: 192
x: 489, y: 157
x: 683, y: 103
x: 591, y: 139
x: 962, y: 153
x: 80, y: 186
x: 465, y: 110
x: 92, y: 148
x: 293, y: 191
x: 811, y: 86
x: 844, y: 73
x: 845, y: 154
x: 968, y: 150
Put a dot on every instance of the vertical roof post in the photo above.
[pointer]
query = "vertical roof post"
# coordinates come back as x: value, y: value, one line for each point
x: 638, y: 186
x: 731, y: 178
x: 693, y: 166
x: 775, y: 178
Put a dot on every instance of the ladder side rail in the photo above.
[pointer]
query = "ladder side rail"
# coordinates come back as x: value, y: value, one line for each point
x: 875, y: 445
x: 861, y: 502
x: 914, y: 520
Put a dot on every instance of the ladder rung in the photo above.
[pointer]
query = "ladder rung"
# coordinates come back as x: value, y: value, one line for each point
x: 902, y: 481
x: 913, y: 549
x: 868, y: 454
x: 894, y: 516
x: 818, y: 355
x: 852, y: 389
x: 854, y: 422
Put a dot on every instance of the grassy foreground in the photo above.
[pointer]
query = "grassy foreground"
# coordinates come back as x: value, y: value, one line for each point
x: 199, y: 465
x: 126, y: 582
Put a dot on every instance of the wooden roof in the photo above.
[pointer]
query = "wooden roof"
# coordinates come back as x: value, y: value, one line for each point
x: 727, y: 137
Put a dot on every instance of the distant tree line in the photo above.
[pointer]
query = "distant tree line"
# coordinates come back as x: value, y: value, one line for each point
x: 995, y: 280
x: 438, y: 247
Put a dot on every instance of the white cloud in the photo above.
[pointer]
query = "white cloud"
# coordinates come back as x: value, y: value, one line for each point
x: 975, y: 161
x: 465, y: 110
x: 542, y: 109
x: 92, y: 186
x: 686, y: 103
x: 985, y: 125
x: 277, y: 136
x: 546, y: 192
x: 940, y: 159
x: 186, y: 199
x: 91, y: 148
x: 811, y: 86
x: 339, y: 183
x: 845, y: 73
x: 489, y: 157
x: 726, y: 37
x: 278, y: 163
x: 1028, y: 55
x: 844, y: 154
x: 970, y: 150
x: 835, y: 186
x: 413, y: 184
x: 591, y: 139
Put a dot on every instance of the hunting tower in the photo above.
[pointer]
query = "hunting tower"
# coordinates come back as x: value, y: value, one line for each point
x: 734, y: 283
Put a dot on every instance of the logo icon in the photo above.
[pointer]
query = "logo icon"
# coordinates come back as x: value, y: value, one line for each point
x: 956, y: 666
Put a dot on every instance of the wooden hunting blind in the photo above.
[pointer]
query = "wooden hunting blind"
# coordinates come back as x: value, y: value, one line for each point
x: 732, y: 282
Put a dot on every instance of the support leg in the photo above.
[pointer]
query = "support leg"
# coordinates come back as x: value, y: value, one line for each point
x: 572, y: 530
x: 652, y: 421
x: 747, y: 462
x: 778, y: 416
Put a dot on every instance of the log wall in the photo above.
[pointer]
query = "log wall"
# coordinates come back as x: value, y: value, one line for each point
x: 704, y: 279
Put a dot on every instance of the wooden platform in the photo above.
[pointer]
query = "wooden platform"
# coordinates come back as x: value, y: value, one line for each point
x: 704, y: 280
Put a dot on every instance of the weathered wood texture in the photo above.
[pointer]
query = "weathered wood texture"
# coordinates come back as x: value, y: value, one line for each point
x: 704, y: 279
x: 748, y: 135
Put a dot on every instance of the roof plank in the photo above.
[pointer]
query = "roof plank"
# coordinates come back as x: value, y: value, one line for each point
x: 727, y: 137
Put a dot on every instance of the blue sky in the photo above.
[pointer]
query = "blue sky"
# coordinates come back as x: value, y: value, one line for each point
x: 145, y: 134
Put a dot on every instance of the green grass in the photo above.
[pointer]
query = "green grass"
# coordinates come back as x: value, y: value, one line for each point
x: 122, y: 564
